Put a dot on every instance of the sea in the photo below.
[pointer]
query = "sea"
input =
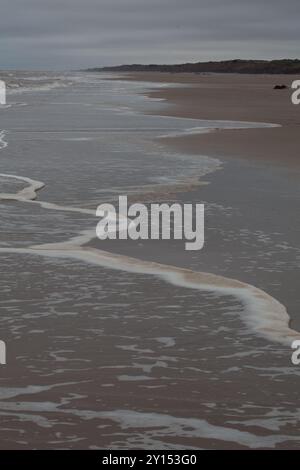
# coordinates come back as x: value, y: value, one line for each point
x: 139, y: 344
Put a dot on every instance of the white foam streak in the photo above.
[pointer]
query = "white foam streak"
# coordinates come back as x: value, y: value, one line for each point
x: 220, y: 126
x: 264, y: 314
x: 28, y: 193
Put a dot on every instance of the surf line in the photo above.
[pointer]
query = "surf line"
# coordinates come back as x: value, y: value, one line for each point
x: 263, y: 313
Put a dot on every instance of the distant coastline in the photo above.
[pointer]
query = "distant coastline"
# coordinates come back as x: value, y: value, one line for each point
x: 281, y: 66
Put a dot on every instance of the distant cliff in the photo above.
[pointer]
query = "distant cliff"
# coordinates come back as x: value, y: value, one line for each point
x: 284, y: 66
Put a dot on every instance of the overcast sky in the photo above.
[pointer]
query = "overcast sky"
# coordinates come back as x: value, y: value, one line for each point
x: 82, y: 33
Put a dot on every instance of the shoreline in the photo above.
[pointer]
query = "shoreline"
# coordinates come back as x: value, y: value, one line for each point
x: 232, y: 97
x: 274, y: 326
x: 193, y: 144
x: 154, y: 329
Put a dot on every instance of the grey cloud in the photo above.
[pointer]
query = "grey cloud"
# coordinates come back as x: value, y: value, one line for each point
x: 73, y: 33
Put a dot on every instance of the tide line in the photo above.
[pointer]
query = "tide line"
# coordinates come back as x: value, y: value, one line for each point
x: 263, y: 314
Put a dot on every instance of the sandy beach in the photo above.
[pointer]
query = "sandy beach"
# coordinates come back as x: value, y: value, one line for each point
x: 235, y: 97
x: 251, y: 235
x: 139, y: 343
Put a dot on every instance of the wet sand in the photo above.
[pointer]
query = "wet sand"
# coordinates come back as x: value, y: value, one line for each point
x: 119, y: 358
x: 259, y: 178
x: 249, y: 204
x: 233, y: 97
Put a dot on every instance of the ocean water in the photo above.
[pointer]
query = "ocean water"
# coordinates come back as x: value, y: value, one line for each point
x: 104, y: 351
